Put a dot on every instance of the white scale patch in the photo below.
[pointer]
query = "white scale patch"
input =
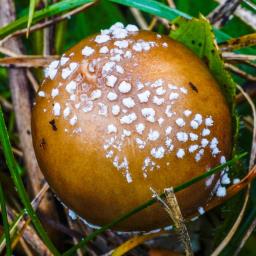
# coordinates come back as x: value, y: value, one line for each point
x: 128, y: 102
x: 143, y: 97
x: 124, y: 87
x: 66, y: 72
x: 149, y: 114
x: 87, y: 51
x: 140, y: 128
x: 111, y: 70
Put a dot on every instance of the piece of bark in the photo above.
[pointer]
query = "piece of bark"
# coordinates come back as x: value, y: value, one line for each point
x: 22, y: 107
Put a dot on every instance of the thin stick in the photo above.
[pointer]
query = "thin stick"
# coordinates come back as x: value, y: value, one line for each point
x: 32, y: 80
x: 240, y: 72
x: 171, y: 206
x: 139, y: 18
x: 235, y: 56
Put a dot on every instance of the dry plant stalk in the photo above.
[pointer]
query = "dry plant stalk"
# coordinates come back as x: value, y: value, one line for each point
x: 240, y: 72
x: 171, y: 206
x: 21, y: 103
x: 232, y: 231
x: 222, y: 13
x: 27, y: 61
x: 238, y: 43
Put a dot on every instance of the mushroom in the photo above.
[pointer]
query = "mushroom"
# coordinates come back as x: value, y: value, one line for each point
x: 123, y: 111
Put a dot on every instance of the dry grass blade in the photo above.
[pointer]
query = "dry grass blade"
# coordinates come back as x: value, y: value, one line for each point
x: 135, y: 241
x: 232, y: 231
x: 26, y: 61
x: 244, y: 14
x: 238, y: 43
x: 245, y: 238
x: 172, y: 208
x: 235, y: 56
x: 222, y: 13
x: 240, y: 72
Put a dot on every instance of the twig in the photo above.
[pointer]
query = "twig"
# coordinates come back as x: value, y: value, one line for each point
x: 152, y: 23
x: 172, y: 208
x: 245, y: 238
x: 25, y: 247
x: 222, y: 13
x: 139, y: 18
x: 16, y: 151
x: 27, y: 61
x: 48, y: 22
x: 252, y: 5
x: 235, y: 56
x: 232, y: 231
x: 240, y: 72
x: 32, y: 80
x: 171, y: 3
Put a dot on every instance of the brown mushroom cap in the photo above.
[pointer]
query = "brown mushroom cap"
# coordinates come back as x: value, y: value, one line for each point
x: 124, y: 111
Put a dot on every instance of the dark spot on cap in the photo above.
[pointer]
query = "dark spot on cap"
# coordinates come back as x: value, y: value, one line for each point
x: 42, y: 144
x: 53, y: 124
x: 193, y: 41
x: 28, y: 132
x: 200, y: 44
x: 193, y: 87
x: 212, y: 51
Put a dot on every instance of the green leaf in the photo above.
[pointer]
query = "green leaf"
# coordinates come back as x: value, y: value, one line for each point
x: 47, y: 12
x: 5, y: 223
x: 32, y: 6
x: 12, y: 165
x: 197, y: 35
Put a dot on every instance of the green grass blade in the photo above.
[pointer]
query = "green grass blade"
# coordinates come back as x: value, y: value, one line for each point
x: 5, y: 223
x: 12, y: 229
x: 11, y: 163
x: 150, y: 202
x: 47, y: 12
x: 162, y: 10
x: 32, y: 6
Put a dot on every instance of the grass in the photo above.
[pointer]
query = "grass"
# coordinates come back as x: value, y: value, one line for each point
x: 5, y: 222
x: 11, y: 163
